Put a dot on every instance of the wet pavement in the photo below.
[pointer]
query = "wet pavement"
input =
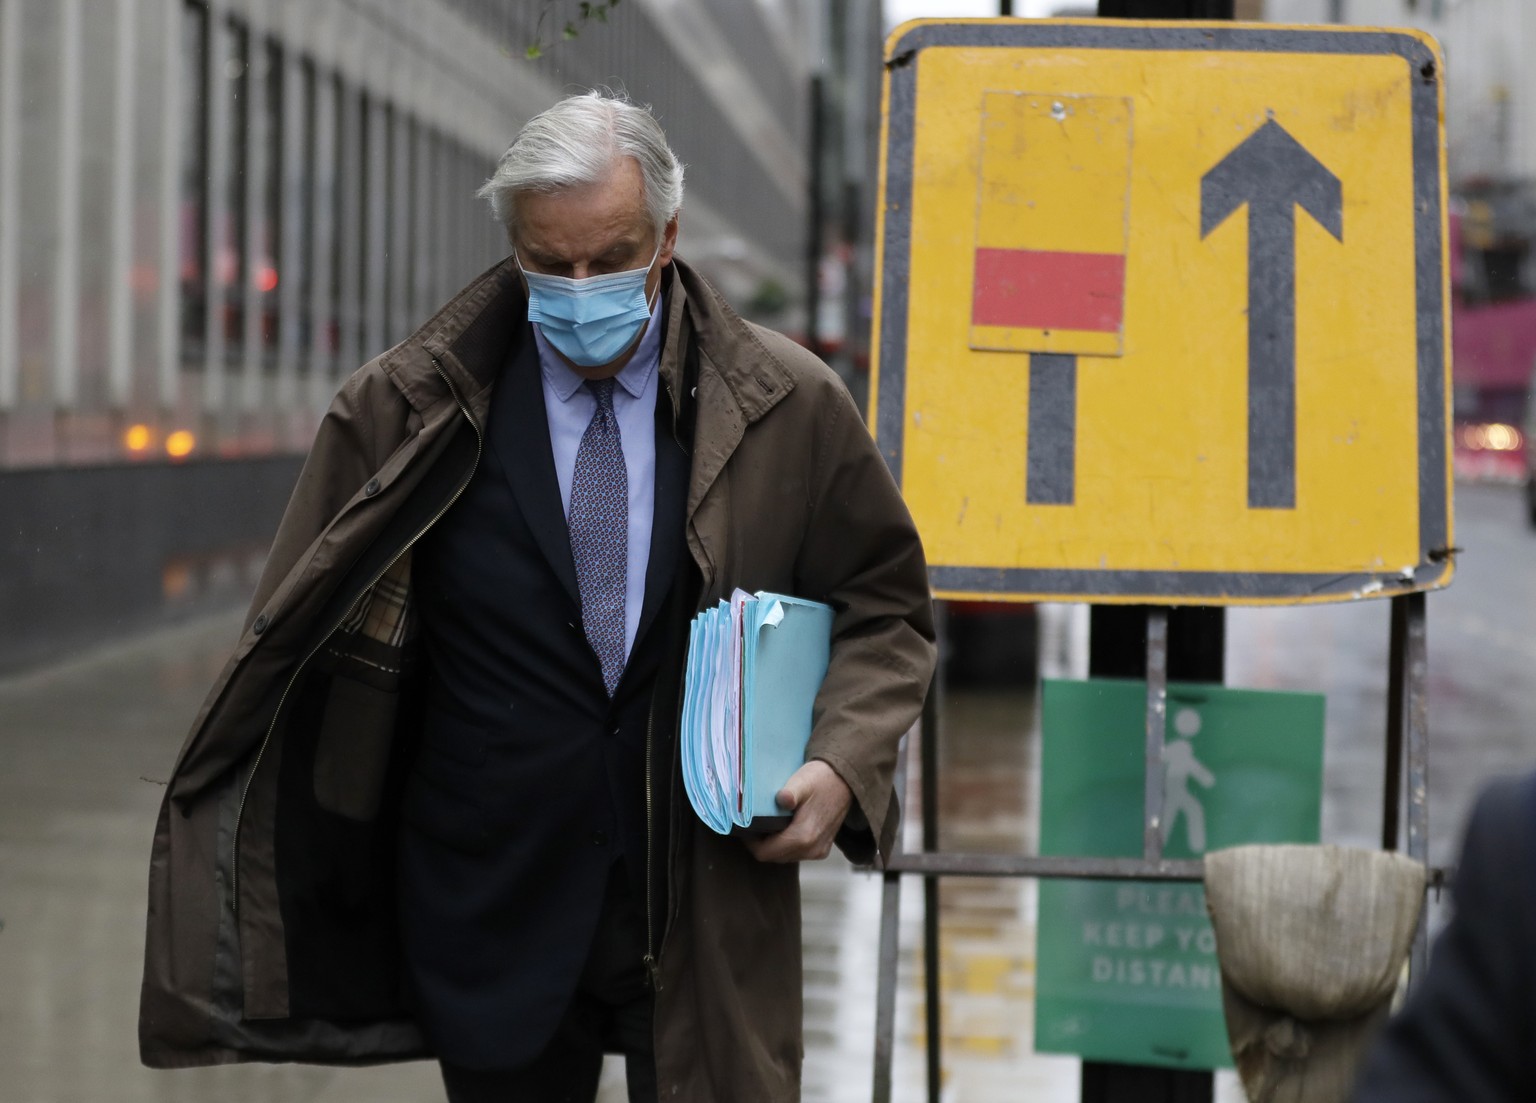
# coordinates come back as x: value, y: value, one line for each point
x: 86, y: 745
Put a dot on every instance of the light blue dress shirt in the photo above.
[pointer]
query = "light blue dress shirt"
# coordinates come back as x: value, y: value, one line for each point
x: 570, y: 407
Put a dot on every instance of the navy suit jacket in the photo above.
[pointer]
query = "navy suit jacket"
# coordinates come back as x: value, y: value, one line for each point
x: 530, y: 782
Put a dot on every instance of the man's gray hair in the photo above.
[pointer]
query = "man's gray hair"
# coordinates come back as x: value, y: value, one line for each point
x: 574, y: 143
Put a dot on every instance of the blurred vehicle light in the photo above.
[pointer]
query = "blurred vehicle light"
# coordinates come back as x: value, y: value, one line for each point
x: 1494, y: 437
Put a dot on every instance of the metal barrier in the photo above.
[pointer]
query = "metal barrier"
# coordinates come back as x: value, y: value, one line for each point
x: 1407, y: 743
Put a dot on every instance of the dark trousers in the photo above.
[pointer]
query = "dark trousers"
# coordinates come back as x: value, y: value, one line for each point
x: 611, y: 1012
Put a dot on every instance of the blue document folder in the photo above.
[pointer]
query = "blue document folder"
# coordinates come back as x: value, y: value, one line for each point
x: 755, y: 665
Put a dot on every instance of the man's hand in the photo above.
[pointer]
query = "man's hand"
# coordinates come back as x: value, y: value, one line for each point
x: 819, y: 800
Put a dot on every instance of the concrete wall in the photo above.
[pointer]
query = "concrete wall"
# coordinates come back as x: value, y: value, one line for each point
x: 90, y: 554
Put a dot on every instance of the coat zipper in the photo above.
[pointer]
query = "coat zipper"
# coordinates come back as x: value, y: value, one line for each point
x: 234, y: 879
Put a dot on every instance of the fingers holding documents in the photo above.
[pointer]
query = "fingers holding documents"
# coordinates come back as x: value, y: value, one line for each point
x: 819, y: 800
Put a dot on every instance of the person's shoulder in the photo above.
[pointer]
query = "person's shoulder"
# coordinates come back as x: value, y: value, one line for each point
x: 363, y: 380
x: 810, y: 373
x: 1496, y: 865
x: 364, y: 389
x: 369, y: 408
x: 1505, y: 810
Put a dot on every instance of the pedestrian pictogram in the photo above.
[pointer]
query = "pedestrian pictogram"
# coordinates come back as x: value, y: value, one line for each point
x: 1162, y: 311
x: 1181, y: 771
x: 1127, y: 970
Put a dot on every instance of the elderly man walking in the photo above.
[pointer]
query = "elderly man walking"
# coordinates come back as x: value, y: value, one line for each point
x: 431, y: 807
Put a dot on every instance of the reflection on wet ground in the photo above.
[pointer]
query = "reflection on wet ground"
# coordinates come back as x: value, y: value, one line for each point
x: 85, y: 742
x: 87, y: 747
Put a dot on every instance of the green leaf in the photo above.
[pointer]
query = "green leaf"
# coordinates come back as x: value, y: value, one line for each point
x: 535, y: 51
x: 570, y: 31
x: 602, y: 15
x: 586, y: 9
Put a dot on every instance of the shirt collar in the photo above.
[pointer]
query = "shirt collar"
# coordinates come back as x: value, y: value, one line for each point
x: 633, y: 377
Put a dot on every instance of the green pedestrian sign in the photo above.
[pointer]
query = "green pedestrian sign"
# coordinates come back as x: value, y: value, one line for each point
x: 1126, y: 971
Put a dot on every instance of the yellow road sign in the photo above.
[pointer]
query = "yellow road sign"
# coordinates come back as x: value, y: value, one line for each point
x: 1162, y: 309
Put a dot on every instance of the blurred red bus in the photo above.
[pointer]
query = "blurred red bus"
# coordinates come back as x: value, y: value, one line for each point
x: 1493, y: 328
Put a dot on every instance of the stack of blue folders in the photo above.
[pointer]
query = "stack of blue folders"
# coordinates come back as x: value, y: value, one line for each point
x: 755, y: 665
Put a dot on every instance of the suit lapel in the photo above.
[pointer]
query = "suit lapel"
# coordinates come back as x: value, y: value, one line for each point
x: 519, y: 436
x: 667, y: 514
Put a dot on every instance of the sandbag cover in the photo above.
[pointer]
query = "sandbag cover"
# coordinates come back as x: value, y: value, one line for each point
x: 1311, y: 941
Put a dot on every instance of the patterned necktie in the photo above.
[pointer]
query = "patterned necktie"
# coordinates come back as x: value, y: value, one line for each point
x: 600, y: 533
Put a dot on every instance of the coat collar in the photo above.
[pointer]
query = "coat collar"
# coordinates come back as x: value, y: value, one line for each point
x: 757, y: 379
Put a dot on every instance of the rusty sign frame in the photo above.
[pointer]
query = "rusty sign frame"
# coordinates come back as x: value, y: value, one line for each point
x: 1407, y: 746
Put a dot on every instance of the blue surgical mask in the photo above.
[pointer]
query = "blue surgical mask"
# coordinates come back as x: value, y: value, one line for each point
x: 591, y: 321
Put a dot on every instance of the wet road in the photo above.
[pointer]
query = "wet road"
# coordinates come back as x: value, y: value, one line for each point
x: 84, y: 742
x: 1482, y: 675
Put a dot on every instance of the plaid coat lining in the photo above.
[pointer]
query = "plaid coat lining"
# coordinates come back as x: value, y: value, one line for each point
x: 386, y: 613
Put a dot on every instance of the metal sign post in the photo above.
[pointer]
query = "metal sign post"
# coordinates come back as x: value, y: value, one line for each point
x: 1407, y: 745
x: 1054, y: 197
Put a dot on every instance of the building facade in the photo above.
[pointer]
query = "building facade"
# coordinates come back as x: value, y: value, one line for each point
x: 212, y: 211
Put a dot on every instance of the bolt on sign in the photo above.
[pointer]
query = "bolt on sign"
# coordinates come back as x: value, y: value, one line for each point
x: 1126, y: 971
x: 1162, y: 309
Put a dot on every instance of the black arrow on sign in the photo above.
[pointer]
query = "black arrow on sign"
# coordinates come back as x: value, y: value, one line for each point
x: 1273, y: 174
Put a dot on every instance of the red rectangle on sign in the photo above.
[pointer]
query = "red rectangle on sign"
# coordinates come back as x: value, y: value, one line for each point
x: 1033, y: 289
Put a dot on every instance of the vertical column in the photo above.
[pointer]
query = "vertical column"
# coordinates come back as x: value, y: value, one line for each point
x: 350, y: 253
x: 376, y: 194
x: 885, y: 995
x: 477, y: 228
x: 10, y: 142
x: 933, y: 976
x: 120, y: 249
x: 168, y: 286
x: 814, y: 216
x: 218, y: 97
x: 423, y: 251
x: 447, y: 204
x: 1157, y: 719
x: 401, y: 199
x: 323, y: 274
x: 464, y: 245
x: 255, y: 215
x: 1397, y: 716
x: 66, y: 272
x: 467, y: 210
x: 890, y: 949
x: 298, y: 202
x: 1416, y: 710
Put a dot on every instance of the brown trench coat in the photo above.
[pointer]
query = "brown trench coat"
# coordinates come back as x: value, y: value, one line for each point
x: 787, y: 493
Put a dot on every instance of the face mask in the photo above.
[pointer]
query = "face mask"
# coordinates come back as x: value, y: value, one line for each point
x: 590, y: 321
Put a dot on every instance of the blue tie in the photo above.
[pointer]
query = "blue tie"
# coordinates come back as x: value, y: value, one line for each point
x: 600, y: 533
